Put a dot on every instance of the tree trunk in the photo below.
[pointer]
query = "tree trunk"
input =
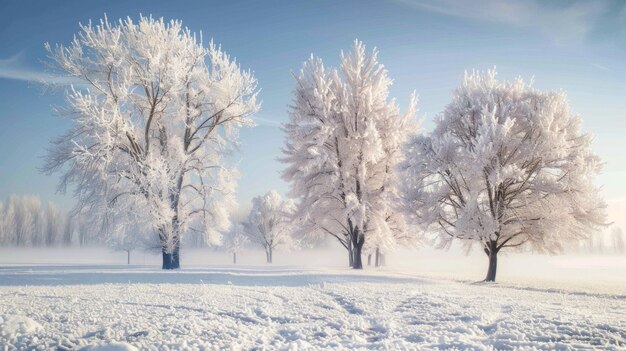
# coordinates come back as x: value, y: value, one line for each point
x: 176, y: 257
x: 171, y: 260
x: 380, y: 258
x: 167, y: 260
x: 268, y: 254
x: 359, y: 240
x: 493, y: 266
x: 128, y: 257
x: 377, y: 257
x: 358, y: 263
x: 369, y: 259
x: 234, y: 258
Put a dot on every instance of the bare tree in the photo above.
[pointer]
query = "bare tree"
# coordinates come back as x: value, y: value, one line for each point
x: 236, y: 240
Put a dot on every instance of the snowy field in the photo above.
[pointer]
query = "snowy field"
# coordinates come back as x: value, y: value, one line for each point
x: 50, y: 305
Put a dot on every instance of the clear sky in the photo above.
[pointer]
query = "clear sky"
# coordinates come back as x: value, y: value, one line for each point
x: 577, y: 46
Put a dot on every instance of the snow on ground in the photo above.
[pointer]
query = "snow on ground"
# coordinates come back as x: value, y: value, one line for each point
x: 13, y: 325
x: 292, y: 308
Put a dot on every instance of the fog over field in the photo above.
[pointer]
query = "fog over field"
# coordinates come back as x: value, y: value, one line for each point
x: 584, y: 272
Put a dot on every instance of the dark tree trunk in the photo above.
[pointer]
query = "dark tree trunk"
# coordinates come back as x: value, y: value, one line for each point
x: 493, y: 266
x: 176, y: 258
x: 268, y: 254
x: 128, y: 257
x: 167, y: 260
x: 171, y: 260
x: 492, y: 253
x: 369, y: 259
x: 234, y: 258
x: 358, y: 263
x: 359, y: 240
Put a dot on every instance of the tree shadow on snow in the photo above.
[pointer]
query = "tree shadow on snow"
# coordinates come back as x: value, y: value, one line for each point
x: 242, y: 276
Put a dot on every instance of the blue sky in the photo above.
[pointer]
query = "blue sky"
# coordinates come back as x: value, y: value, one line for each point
x: 577, y: 46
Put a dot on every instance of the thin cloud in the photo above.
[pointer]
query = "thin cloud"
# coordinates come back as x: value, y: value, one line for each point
x: 565, y: 23
x: 266, y: 122
x: 600, y: 67
x: 13, y: 68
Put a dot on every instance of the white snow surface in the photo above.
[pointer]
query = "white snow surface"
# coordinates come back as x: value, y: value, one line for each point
x: 107, y: 307
x: 12, y: 326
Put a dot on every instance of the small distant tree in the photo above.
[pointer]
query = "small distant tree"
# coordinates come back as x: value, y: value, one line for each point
x: 53, y: 224
x: 268, y: 223
x: 126, y: 232
x: 599, y: 244
x: 129, y: 239
x: 126, y: 242
x: 617, y: 236
x: 507, y: 166
x: 380, y: 242
x: 36, y: 211
x: 24, y: 221
x: 82, y: 233
x: 158, y: 115
x: 121, y: 238
x: 10, y: 222
x: 68, y: 229
x: 236, y: 240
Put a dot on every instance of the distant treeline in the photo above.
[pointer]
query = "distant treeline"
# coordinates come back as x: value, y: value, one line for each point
x: 27, y: 222
x: 609, y: 241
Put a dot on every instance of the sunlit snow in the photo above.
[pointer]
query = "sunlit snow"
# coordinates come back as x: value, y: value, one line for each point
x: 418, y: 302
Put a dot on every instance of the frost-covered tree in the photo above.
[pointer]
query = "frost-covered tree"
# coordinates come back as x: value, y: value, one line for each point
x: 37, y: 216
x: 128, y: 233
x: 155, y: 115
x: 269, y: 225
x: 236, y: 240
x: 54, y: 224
x: 25, y: 222
x: 127, y: 241
x: 68, y: 230
x: 342, y: 145
x: 9, y: 222
x: 506, y: 166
